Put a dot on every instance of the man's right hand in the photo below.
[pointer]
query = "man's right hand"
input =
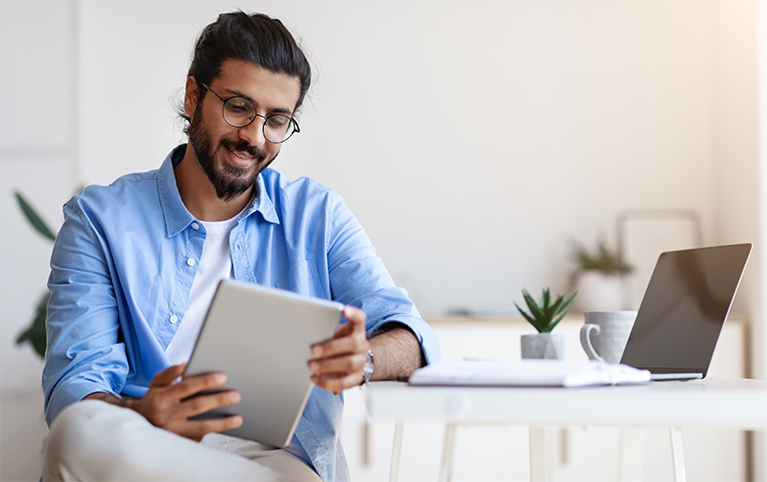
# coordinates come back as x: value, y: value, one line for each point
x: 167, y: 403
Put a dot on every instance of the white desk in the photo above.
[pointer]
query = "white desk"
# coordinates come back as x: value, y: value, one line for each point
x: 712, y: 403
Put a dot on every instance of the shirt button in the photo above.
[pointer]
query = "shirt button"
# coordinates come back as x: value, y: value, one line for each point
x: 173, y: 319
x: 190, y: 261
x: 195, y: 226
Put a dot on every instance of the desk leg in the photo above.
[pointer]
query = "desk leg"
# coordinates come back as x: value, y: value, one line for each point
x: 677, y: 454
x: 630, y: 459
x: 396, y: 451
x: 537, y: 454
x: 448, y: 452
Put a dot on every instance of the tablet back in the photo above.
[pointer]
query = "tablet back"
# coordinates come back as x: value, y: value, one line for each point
x: 261, y: 338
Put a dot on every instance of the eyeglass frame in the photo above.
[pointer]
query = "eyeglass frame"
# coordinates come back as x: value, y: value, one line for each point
x: 255, y: 114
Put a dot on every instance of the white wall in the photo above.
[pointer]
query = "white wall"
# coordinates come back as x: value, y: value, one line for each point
x: 36, y: 136
x: 36, y: 139
x: 736, y: 129
x: 473, y: 142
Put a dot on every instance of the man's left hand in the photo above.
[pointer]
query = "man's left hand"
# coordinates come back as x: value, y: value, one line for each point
x: 337, y: 364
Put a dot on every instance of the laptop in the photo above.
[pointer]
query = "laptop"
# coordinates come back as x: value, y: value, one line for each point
x: 684, y: 309
x: 261, y: 338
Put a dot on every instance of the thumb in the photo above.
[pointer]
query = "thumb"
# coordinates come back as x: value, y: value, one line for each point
x: 343, y: 330
x: 356, y: 319
x: 167, y: 376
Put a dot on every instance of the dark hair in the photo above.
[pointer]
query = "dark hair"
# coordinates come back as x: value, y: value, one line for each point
x: 258, y: 39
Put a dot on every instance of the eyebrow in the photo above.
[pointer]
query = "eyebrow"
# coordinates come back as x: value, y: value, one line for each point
x: 280, y: 110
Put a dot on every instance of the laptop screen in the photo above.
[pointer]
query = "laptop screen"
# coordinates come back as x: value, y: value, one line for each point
x: 684, y: 309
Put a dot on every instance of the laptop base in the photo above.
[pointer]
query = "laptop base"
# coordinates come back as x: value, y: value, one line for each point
x: 667, y: 377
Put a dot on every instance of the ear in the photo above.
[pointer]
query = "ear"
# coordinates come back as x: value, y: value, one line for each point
x: 190, y: 96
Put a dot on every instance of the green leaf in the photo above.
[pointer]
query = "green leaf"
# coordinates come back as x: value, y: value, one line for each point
x: 544, y: 316
x: 552, y: 310
x: 601, y: 259
x: 34, y: 219
x: 35, y: 334
x: 535, y: 311
x: 565, y: 308
x: 545, y: 299
x: 536, y: 317
x: 524, y: 314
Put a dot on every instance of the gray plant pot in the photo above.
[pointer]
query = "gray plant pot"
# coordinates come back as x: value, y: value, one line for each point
x: 543, y: 345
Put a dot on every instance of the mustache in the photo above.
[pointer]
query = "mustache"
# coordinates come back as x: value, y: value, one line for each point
x: 243, y: 146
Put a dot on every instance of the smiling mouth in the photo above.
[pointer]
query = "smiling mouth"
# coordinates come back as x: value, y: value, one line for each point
x: 240, y: 154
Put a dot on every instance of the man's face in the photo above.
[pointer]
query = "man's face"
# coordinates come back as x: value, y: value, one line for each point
x: 233, y: 157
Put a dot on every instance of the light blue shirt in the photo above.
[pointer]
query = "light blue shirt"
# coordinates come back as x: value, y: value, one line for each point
x: 123, y: 266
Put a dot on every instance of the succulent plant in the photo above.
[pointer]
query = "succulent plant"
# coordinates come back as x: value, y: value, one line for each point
x: 545, y: 315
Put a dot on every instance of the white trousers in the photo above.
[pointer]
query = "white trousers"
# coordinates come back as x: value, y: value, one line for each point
x: 97, y: 441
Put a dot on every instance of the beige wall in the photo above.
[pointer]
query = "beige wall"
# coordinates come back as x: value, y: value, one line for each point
x: 472, y: 142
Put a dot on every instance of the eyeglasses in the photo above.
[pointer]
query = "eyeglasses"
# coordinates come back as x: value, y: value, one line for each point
x: 240, y: 112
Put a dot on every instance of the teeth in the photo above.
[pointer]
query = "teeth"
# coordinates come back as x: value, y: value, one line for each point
x: 241, y: 156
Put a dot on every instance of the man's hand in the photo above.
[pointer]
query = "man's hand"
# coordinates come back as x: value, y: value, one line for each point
x: 167, y: 403
x: 337, y: 363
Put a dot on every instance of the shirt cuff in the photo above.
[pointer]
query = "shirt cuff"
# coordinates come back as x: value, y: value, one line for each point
x: 73, y: 393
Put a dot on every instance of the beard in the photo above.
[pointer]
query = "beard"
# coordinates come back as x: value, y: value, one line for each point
x: 229, y: 181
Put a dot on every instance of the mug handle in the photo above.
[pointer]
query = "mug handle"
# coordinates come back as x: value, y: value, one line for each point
x: 586, y: 341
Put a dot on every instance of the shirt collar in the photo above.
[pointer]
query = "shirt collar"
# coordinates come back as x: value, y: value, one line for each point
x: 178, y: 218
x: 262, y: 203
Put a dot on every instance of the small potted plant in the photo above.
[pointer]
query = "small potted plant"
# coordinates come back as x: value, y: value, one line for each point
x: 544, y: 316
x: 598, y: 277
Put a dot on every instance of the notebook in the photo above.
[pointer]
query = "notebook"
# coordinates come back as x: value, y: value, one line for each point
x: 261, y: 338
x: 527, y: 373
x: 683, y: 311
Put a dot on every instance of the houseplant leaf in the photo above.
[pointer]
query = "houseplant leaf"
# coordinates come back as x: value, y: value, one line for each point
x: 525, y: 315
x: 35, y: 334
x: 545, y: 299
x: 34, y: 219
x: 539, y: 320
x: 564, y: 309
x: 544, y: 315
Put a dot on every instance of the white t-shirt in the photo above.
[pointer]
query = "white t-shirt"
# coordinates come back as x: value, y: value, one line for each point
x: 215, y: 265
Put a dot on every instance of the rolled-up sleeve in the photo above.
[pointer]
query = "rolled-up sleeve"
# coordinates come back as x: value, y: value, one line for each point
x: 84, y: 354
x: 358, y: 277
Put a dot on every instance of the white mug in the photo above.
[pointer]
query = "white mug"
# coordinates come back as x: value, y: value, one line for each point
x: 605, y: 334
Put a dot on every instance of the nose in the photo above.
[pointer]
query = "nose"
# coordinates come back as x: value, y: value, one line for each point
x: 253, y: 133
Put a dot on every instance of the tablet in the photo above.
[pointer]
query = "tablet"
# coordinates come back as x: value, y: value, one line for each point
x: 261, y: 338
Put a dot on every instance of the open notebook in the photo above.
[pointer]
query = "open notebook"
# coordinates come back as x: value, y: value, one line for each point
x: 527, y: 373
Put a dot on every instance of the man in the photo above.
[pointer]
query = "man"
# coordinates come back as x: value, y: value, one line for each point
x: 136, y: 263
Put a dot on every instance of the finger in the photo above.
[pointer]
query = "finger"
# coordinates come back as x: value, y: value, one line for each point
x: 343, y: 330
x: 355, y: 321
x: 195, y: 384
x: 197, y: 429
x: 353, y: 343
x: 166, y: 377
x: 199, y: 404
x: 337, y: 382
x: 356, y: 317
x: 341, y: 364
